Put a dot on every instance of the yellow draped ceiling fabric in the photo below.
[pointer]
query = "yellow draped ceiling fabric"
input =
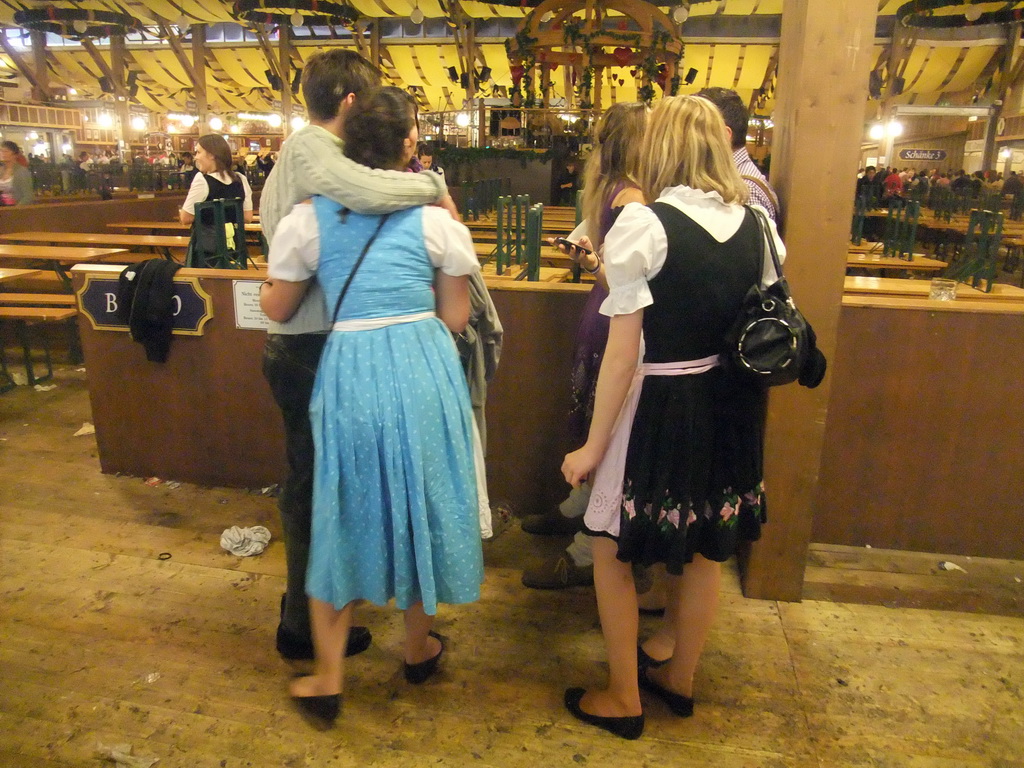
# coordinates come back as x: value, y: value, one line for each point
x: 236, y: 73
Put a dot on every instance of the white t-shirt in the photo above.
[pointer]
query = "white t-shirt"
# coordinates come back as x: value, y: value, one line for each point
x: 295, y: 250
x: 200, y: 189
x: 636, y: 247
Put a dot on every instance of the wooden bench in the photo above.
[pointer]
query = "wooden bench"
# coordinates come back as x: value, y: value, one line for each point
x: 22, y: 318
x: 38, y: 299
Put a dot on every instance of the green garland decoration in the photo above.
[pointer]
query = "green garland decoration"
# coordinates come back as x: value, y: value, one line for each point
x: 452, y: 157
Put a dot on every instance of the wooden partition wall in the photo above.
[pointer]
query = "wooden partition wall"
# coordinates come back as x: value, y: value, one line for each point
x: 84, y: 215
x: 923, y: 444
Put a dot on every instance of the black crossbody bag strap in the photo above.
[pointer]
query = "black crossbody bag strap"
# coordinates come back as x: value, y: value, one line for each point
x: 359, y: 261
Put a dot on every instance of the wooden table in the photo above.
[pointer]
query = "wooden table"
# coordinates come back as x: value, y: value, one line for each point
x: 890, y: 286
x: 158, y: 243
x: 15, y: 274
x: 57, y: 257
x: 876, y: 261
x: 171, y: 226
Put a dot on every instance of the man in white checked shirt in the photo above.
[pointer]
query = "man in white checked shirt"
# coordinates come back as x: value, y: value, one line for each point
x: 733, y: 110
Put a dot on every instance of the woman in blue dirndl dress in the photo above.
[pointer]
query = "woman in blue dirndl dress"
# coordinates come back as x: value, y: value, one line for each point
x: 395, y: 495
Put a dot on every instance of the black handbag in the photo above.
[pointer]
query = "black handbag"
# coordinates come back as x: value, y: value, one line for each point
x: 771, y: 342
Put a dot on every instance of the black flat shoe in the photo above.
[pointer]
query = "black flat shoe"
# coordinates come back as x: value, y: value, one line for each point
x: 679, y: 704
x: 644, y: 661
x: 652, y: 611
x: 319, y: 711
x: 418, y: 673
x: 623, y: 727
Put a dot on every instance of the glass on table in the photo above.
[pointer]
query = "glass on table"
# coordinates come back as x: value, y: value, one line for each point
x: 942, y: 289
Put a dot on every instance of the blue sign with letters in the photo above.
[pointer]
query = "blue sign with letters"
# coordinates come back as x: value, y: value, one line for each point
x: 97, y: 300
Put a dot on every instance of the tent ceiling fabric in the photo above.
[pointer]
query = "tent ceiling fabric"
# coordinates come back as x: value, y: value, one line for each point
x: 236, y: 73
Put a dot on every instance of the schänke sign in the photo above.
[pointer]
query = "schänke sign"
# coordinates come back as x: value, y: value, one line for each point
x: 923, y: 154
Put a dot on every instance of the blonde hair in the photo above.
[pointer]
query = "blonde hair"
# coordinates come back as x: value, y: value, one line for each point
x: 616, y: 158
x: 687, y: 145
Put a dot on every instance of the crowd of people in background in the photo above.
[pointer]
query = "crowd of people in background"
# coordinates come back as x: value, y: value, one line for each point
x: 883, y: 185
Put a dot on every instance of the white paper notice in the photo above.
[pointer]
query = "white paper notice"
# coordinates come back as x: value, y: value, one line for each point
x: 247, y: 305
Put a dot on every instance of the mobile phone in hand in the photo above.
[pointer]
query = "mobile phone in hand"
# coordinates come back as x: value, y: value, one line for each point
x: 570, y: 244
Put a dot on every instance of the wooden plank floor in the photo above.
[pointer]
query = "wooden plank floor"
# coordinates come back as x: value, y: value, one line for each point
x: 103, y: 643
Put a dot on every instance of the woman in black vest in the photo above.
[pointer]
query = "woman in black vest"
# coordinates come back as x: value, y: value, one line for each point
x: 215, y: 180
x: 674, y: 448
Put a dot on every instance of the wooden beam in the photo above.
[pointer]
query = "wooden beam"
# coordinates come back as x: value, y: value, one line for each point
x: 100, y: 62
x: 25, y: 70
x: 822, y: 93
x: 284, y: 41
x: 268, y: 52
x: 179, y: 52
x: 1010, y: 72
x: 769, y: 75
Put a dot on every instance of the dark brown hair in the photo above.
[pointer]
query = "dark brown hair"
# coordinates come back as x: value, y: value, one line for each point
x: 734, y: 112
x: 376, y: 126
x: 221, y: 152
x: 329, y: 76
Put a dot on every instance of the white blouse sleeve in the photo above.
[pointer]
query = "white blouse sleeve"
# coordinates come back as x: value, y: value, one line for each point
x: 449, y: 243
x: 295, y: 250
x: 197, y: 193
x: 247, y: 202
x: 634, y: 252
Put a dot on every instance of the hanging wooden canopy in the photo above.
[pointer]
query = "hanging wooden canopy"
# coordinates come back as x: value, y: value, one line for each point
x: 76, y: 23
x: 588, y: 38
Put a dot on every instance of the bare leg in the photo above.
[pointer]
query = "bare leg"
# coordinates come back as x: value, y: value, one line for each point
x: 330, y: 634
x: 662, y: 643
x: 419, y: 646
x: 696, y: 606
x: 616, y: 604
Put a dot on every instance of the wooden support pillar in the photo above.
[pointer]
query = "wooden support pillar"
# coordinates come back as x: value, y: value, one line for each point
x: 595, y: 91
x: 285, y: 68
x: 121, y: 97
x: 41, y: 86
x: 824, y: 61
x: 199, y: 75
x: 1010, y: 74
x: 375, y: 43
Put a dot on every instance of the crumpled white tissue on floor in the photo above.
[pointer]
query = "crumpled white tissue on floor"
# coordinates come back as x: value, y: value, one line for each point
x: 245, y: 542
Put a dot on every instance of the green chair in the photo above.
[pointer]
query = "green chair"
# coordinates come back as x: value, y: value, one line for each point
x: 901, y: 230
x: 213, y: 244
x: 981, y: 246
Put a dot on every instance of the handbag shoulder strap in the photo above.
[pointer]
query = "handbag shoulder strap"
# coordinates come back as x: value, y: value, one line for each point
x: 766, y: 235
x: 355, y: 268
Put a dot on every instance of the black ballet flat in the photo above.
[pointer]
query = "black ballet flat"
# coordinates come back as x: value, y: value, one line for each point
x: 319, y: 711
x: 682, y: 706
x: 418, y: 673
x: 645, y: 661
x: 624, y: 727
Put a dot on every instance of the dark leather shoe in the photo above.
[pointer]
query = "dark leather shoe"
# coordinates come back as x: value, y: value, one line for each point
x: 295, y: 648
x: 624, y: 727
x: 418, y: 673
x: 319, y: 711
x: 679, y: 704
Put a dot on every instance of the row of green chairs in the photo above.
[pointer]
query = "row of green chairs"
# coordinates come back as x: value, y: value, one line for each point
x: 480, y: 198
